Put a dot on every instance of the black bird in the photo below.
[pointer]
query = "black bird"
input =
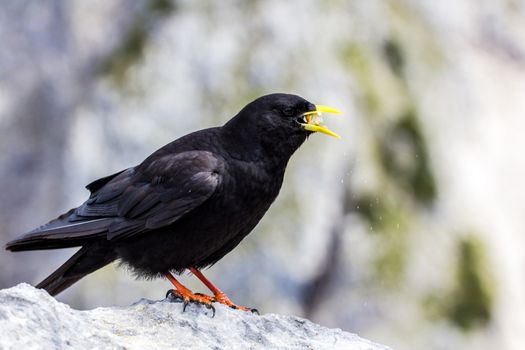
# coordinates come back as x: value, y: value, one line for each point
x: 188, y: 204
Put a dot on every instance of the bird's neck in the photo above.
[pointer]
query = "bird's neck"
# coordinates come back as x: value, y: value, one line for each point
x: 245, y: 142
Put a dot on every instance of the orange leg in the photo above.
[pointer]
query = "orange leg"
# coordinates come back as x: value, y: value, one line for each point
x: 219, y: 294
x: 187, y: 295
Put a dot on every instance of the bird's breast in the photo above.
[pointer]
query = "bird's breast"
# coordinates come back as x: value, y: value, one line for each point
x: 247, y: 195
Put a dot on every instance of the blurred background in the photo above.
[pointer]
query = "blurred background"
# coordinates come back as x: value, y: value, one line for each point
x: 409, y: 231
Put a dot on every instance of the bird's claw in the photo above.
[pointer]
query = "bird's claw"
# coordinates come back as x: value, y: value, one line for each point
x: 174, y: 295
x: 244, y: 308
x: 197, y: 298
x: 210, y: 306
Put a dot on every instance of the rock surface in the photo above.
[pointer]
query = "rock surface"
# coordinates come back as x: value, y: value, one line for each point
x: 30, y: 318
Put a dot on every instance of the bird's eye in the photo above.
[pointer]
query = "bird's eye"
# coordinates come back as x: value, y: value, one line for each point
x: 288, y: 111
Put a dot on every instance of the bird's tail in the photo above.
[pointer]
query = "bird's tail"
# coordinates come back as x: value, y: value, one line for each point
x: 68, y: 230
x: 88, y: 259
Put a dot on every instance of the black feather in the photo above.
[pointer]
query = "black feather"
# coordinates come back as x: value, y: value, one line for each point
x: 88, y: 259
x: 98, y: 184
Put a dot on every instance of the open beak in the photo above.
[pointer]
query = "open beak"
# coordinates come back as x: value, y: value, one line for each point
x: 313, y: 119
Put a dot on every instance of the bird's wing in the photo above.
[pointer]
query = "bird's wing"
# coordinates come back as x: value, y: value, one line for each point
x: 155, y: 194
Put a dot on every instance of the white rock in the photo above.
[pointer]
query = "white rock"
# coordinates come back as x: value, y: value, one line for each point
x: 31, y: 319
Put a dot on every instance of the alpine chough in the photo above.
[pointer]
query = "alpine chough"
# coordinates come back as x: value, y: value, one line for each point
x: 188, y: 204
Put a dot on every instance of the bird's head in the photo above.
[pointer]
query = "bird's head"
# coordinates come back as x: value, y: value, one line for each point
x: 279, y: 122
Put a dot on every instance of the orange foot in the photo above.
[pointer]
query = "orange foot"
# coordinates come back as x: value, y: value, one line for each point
x: 219, y: 294
x: 220, y: 297
x: 186, y: 296
x: 182, y: 293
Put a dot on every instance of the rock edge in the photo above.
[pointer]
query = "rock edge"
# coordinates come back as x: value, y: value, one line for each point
x: 30, y: 318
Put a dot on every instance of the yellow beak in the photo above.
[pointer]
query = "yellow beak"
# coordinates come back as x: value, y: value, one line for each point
x: 313, y: 120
